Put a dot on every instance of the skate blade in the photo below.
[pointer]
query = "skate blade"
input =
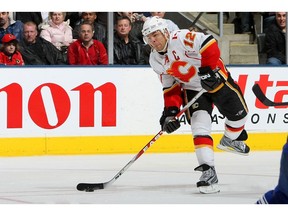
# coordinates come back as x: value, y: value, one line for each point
x: 209, y: 189
x: 229, y: 149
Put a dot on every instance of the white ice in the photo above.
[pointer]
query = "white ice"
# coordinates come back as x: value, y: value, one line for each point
x: 152, y: 179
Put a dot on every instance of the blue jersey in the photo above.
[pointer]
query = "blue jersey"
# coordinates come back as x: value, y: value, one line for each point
x: 280, y: 194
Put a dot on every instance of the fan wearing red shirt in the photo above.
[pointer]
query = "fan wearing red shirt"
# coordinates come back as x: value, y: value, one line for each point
x: 9, y: 54
x: 86, y: 50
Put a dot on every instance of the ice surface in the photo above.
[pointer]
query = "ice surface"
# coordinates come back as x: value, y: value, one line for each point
x: 152, y: 179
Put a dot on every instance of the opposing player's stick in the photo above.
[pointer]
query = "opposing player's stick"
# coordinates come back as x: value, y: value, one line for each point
x: 90, y: 187
x: 261, y: 96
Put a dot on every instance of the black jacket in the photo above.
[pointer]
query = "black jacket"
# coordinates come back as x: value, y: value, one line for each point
x: 128, y: 54
x: 275, y: 42
x: 41, y: 53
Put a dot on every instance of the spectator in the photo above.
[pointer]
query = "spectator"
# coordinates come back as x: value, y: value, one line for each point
x: 9, y: 54
x: 127, y: 49
x: 275, y: 40
x: 58, y: 32
x: 8, y: 25
x: 86, y: 50
x: 36, y: 50
x: 99, y: 30
x: 137, y: 21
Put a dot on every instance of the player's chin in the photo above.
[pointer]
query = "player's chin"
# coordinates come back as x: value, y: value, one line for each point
x: 158, y: 48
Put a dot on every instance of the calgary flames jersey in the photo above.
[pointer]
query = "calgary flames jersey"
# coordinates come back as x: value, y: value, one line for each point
x: 186, y: 52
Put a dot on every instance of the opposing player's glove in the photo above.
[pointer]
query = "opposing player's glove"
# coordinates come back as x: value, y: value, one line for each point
x: 167, y: 121
x: 210, y: 80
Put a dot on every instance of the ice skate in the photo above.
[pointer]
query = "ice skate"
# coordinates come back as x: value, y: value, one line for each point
x: 208, y: 180
x: 234, y: 146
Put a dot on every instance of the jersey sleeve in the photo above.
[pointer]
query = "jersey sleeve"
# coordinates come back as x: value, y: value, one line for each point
x: 210, y: 53
x: 172, y: 92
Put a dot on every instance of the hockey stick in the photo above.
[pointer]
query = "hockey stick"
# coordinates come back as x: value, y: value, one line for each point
x: 261, y: 96
x: 90, y: 187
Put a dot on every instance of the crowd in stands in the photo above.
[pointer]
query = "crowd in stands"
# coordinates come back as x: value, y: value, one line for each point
x: 81, y: 38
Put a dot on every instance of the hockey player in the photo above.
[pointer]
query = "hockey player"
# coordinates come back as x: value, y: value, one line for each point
x: 186, y: 62
x: 280, y: 194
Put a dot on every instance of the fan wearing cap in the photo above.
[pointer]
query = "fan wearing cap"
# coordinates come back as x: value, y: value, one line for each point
x: 9, y: 54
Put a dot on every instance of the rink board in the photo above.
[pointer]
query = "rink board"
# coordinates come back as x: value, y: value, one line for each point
x: 103, y: 110
x: 124, y: 144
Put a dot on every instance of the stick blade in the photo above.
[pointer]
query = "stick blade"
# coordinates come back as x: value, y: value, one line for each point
x: 90, y: 187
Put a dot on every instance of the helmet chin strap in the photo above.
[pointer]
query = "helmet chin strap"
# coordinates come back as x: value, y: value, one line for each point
x: 164, y: 49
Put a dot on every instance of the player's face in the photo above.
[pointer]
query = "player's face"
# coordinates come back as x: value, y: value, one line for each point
x: 157, y: 40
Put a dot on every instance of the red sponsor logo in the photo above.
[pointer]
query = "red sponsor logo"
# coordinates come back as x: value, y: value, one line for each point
x: 266, y: 85
x: 62, y: 105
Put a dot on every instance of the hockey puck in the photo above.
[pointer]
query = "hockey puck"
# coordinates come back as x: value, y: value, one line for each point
x: 89, y: 190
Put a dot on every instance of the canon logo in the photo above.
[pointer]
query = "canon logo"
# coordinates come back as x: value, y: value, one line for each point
x: 62, y: 104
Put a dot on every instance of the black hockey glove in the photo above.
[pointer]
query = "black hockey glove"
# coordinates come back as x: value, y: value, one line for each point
x: 210, y: 80
x: 167, y: 121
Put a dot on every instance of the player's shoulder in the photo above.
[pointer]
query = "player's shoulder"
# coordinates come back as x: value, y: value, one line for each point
x: 155, y: 61
x: 155, y: 57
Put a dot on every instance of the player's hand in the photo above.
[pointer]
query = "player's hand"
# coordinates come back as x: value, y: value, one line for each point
x: 167, y: 121
x: 210, y: 80
x: 170, y: 124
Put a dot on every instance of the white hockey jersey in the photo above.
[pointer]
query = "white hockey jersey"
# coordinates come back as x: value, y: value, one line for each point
x: 183, y: 58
